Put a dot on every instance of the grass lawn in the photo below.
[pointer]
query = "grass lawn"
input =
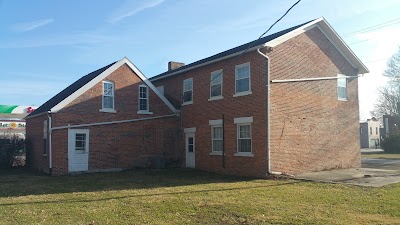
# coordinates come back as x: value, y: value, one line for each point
x: 380, y: 156
x: 188, y: 197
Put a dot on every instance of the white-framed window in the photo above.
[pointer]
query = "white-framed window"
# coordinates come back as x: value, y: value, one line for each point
x: 108, y: 96
x: 376, y: 130
x: 188, y: 91
x: 80, y: 143
x: 342, y: 87
x: 370, y: 131
x: 242, y: 79
x: 143, y: 104
x: 244, y: 138
x: 216, y: 84
x: 217, y: 138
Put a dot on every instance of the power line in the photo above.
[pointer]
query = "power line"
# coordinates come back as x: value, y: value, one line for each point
x: 253, y: 42
x: 375, y: 27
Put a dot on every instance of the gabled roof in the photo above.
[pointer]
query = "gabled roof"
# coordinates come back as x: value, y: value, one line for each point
x: 68, y: 91
x: 80, y: 86
x: 273, y: 40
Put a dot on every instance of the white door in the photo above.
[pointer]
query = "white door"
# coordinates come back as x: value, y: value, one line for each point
x: 78, y: 150
x: 190, y: 150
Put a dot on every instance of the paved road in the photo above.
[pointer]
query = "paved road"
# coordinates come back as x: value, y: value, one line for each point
x: 387, y: 164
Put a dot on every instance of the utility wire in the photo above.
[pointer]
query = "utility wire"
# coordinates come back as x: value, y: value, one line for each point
x: 251, y: 44
x: 375, y: 27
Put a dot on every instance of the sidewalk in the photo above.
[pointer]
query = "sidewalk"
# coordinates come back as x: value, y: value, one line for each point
x: 371, y: 151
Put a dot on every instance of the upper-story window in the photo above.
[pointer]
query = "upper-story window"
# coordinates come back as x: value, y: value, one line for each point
x: 342, y: 87
x: 108, y: 95
x: 143, y: 98
x: 376, y: 130
x: 370, y: 131
x: 216, y: 85
x: 242, y: 77
x: 188, y: 91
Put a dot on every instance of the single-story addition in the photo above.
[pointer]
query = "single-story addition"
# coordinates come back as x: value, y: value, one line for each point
x: 285, y: 103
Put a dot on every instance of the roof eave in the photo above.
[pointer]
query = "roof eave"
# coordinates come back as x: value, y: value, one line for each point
x: 206, y: 63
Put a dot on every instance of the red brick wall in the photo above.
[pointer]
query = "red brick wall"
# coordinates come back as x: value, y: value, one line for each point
x: 34, y: 134
x: 201, y: 111
x: 123, y: 145
x: 311, y: 129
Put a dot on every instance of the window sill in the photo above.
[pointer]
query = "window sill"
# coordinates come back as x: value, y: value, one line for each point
x: 108, y: 110
x: 342, y: 99
x: 215, y: 98
x: 187, y: 103
x: 242, y: 93
x: 215, y: 153
x: 145, y: 112
x: 244, y: 154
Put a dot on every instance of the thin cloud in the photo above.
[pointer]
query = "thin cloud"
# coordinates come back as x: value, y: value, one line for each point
x: 130, y: 8
x: 29, y: 26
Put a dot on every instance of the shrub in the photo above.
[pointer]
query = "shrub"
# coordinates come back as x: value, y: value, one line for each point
x: 12, y: 152
x: 391, y: 144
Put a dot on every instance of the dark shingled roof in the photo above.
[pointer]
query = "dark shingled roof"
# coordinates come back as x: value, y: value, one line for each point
x: 69, y: 90
x: 231, y: 51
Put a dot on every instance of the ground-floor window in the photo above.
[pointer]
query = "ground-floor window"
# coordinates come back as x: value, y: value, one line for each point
x: 217, y: 138
x: 244, y: 138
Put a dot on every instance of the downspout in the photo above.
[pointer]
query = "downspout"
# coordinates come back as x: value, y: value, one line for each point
x: 50, y: 148
x: 269, y: 172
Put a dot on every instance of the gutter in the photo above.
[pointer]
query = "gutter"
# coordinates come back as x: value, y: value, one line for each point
x: 50, y: 148
x: 269, y: 172
x: 111, y: 122
x: 315, y: 79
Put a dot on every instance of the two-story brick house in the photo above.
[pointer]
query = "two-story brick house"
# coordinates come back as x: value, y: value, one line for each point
x: 285, y: 103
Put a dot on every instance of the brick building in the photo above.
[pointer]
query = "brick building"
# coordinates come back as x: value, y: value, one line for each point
x: 284, y: 103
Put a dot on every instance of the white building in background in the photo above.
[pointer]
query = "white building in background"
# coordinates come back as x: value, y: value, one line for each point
x: 370, y: 133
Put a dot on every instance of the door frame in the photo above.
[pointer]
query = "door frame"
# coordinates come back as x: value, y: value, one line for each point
x: 190, y: 133
x: 71, y: 149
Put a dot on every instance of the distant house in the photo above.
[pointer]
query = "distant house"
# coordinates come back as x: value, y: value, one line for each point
x: 370, y: 133
x: 288, y: 104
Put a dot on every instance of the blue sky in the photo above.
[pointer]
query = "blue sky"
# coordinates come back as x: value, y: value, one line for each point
x: 46, y: 45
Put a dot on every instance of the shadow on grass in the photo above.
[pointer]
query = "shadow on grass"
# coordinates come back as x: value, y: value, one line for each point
x: 149, y: 195
x: 22, y: 182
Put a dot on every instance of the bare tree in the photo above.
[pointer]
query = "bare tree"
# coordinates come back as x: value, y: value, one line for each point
x: 389, y: 96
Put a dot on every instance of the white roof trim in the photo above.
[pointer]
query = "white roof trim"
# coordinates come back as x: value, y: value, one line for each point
x: 331, y: 35
x: 101, y: 77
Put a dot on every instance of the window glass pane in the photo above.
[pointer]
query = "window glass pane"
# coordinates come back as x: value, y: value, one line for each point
x: 108, y: 102
x: 80, y: 142
x: 342, y: 93
x: 243, y: 72
x: 187, y: 96
x: 216, y: 90
x: 143, y: 104
x: 190, y: 141
x: 244, y: 145
x: 342, y: 82
x: 217, y: 145
x: 217, y: 132
x: 108, y: 89
x: 190, y: 148
x: 187, y: 85
x: 216, y: 78
x: 242, y: 85
x: 244, y: 131
x: 143, y: 92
